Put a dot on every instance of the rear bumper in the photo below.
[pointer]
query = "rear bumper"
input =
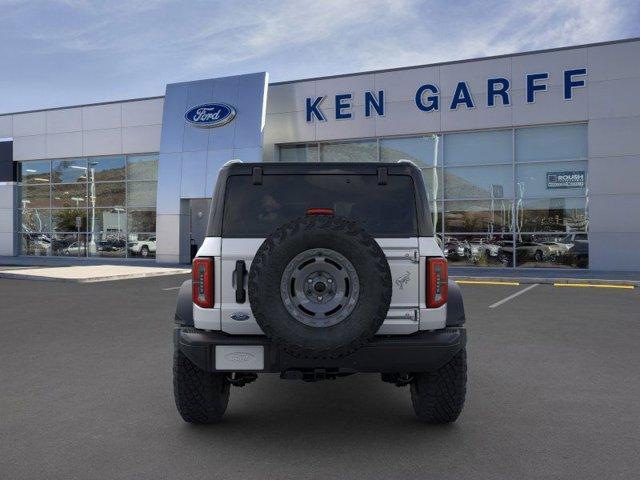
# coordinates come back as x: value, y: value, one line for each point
x: 419, y: 352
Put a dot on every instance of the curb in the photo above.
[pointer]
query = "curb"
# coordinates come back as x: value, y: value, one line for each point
x: 547, y: 281
x: 125, y: 276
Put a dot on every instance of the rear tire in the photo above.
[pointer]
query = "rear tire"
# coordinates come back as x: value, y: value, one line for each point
x: 438, y: 397
x: 201, y: 397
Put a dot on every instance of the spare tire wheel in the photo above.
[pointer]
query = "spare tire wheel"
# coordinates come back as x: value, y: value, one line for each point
x: 320, y: 287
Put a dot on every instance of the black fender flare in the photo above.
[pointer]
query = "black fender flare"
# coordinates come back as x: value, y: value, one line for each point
x: 184, y: 307
x: 455, y: 306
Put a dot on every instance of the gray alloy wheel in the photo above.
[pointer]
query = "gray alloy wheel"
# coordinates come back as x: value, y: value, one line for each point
x: 320, y: 287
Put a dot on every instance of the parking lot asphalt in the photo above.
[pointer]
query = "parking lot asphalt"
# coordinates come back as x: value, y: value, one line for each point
x: 86, y: 393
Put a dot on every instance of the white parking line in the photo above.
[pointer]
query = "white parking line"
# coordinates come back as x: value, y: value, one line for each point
x: 511, y: 297
x: 171, y: 288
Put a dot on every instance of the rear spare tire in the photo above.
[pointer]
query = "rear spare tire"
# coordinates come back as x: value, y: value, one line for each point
x: 320, y: 287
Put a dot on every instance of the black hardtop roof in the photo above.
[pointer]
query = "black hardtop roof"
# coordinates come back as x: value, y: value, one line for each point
x: 337, y: 168
x: 216, y: 213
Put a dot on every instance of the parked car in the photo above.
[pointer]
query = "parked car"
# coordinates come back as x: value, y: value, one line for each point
x: 110, y: 245
x: 287, y: 285
x: 144, y: 248
x: 525, y: 251
x: 479, y: 246
x: 75, y: 249
x: 453, y: 249
x: 557, y: 249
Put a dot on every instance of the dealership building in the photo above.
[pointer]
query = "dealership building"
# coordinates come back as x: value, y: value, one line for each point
x: 531, y: 160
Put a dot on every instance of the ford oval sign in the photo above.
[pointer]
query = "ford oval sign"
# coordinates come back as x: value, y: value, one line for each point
x: 210, y: 115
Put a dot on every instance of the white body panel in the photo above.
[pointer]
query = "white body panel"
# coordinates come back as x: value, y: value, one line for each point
x: 406, y: 257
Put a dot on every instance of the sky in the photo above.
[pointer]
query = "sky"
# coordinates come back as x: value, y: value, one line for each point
x: 69, y: 52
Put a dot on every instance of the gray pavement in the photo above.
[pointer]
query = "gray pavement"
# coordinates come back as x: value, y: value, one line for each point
x: 86, y: 394
x: 546, y: 275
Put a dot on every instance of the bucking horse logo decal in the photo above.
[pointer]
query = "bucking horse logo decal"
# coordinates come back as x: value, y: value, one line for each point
x: 403, y: 280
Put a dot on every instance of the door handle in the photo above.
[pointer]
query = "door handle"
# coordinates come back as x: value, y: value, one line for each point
x: 241, y: 270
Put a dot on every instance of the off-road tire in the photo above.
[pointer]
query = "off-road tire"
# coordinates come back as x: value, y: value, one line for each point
x: 201, y: 397
x: 438, y: 397
x: 355, y: 244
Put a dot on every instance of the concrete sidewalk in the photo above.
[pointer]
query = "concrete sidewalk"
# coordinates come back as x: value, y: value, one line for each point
x: 88, y: 273
x: 544, y: 276
x: 34, y: 261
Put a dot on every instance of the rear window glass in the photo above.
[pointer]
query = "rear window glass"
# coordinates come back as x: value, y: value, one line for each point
x: 256, y: 210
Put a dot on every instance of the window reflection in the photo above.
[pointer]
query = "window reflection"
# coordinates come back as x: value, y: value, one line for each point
x: 66, y: 220
x: 359, y: 151
x: 142, y: 220
x: 35, y: 220
x: 498, y: 187
x: 479, y: 182
x: 423, y: 151
x: 69, y: 195
x: 38, y: 244
x: 78, y: 207
x: 433, y: 181
x: 69, y: 171
x: 36, y: 172
x: 35, y: 196
x: 558, y: 250
x: 142, y: 167
x: 554, y: 179
x: 299, y: 153
x: 551, y: 215
x: 107, y: 169
x: 488, y: 217
x: 68, y: 244
x: 477, y: 249
x: 109, y: 194
x: 478, y: 148
x: 558, y: 142
x: 141, y: 194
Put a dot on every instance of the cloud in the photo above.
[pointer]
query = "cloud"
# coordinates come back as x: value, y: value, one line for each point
x: 120, y: 49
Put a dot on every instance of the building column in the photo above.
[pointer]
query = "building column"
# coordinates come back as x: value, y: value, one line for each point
x: 8, y: 244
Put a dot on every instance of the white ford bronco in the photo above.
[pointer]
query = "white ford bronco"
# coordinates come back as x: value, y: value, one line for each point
x: 317, y: 271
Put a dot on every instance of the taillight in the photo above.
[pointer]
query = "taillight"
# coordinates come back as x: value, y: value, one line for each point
x: 202, y: 282
x: 437, y: 282
x: 320, y: 211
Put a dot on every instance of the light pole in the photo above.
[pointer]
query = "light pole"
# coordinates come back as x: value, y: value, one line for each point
x: 118, y: 211
x: 92, y: 196
x: 91, y: 172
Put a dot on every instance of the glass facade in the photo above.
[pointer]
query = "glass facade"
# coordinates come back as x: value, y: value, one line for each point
x: 512, y: 197
x: 95, y: 206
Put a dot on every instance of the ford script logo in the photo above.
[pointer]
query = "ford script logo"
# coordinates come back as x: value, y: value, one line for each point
x: 239, y: 357
x: 239, y: 316
x: 210, y: 115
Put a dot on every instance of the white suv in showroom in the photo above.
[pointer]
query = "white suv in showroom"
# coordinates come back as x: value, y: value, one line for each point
x: 143, y: 248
